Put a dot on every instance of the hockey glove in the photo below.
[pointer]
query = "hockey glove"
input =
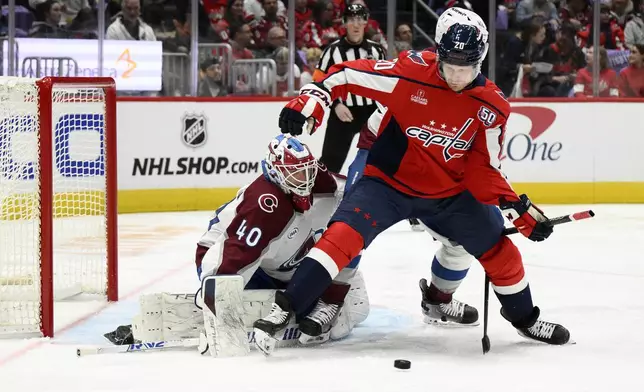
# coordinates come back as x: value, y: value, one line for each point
x: 307, y: 109
x: 526, y: 217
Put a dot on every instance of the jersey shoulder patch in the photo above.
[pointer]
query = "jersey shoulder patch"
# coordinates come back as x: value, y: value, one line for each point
x: 418, y: 58
x: 493, y: 98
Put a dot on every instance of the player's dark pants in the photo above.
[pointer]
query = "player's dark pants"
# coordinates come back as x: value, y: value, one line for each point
x: 475, y: 226
x: 371, y: 206
x: 262, y: 281
x: 339, y: 135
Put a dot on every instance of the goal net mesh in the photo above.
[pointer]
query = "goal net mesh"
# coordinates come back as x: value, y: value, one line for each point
x: 78, y: 201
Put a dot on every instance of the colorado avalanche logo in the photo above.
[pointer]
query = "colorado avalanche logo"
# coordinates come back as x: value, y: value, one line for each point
x: 267, y: 202
x: 416, y: 58
x: 296, y: 259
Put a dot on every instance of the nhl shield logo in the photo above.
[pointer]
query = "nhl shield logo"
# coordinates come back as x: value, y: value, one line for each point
x: 194, y: 133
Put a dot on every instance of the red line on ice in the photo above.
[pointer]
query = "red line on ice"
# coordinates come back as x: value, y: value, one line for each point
x: 36, y: 344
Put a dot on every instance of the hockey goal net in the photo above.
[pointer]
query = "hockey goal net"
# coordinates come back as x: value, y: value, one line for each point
x: 57, y: 197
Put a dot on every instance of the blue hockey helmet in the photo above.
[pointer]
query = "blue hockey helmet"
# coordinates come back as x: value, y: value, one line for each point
x: 463, y: 45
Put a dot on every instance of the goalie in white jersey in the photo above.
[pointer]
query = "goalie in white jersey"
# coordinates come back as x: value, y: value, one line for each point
x: 272, y: 223
x: 251, y: 248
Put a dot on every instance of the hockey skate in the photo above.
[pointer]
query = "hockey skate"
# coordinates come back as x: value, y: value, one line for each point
x: 316, y: 327
x: 267, y: 328
x: 453, y: 313
x: 542, y: 331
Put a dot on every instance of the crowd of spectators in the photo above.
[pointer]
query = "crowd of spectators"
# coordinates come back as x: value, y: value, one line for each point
x: 543, y: 47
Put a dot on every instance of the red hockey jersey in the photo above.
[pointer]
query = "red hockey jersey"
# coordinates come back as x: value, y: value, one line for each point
x: 433, y: 142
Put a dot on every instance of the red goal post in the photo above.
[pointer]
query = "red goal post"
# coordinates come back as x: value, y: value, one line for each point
x: 58, y: 197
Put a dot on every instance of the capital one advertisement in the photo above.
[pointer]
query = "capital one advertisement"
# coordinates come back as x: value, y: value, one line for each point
x: 537, y: 149
x: 574, y: 142
x: 135, y: 65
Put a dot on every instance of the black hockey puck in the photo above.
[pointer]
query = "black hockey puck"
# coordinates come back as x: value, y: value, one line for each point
x: 402, y: 364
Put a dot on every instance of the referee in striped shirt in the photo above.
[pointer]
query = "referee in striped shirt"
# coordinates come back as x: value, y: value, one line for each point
x: 347, y: 117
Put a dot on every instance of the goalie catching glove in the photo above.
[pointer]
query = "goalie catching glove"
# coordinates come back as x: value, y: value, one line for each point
x: 308, y: 110
x: 527, y: 218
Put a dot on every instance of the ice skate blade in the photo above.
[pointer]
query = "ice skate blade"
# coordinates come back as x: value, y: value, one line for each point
x: 570, y: 342
x: 447, y: 324
x: 307, y: 340
x: 264, y: 342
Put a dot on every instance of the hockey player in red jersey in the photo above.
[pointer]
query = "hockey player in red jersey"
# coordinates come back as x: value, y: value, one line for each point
x: 451, y: 262
x: 438, y: 162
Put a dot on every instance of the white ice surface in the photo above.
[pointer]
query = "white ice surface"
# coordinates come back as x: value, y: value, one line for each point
x: 589, y: 276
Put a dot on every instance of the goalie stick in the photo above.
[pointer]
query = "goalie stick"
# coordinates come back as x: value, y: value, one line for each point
x: 485, y: 342
x: 146, y: 346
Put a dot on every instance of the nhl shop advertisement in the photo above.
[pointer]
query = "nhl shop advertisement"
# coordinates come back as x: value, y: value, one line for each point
x: 165, y: 145
x: 220, y: 144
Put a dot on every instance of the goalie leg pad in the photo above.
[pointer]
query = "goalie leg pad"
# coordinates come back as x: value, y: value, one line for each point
x: 355, y: 309
x: 223, y: 313
x: 166, y: 316
x: 148, y: 325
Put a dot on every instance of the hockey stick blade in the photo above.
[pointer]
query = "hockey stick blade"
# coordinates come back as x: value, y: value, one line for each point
x: 138, y: 347
x: 485, y: 342
x: 558, y: 220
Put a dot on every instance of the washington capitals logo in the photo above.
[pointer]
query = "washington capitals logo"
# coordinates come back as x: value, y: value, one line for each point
x: 416, y: 58
x: 453, y: 146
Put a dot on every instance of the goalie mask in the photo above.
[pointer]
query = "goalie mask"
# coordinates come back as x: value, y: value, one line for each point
x: 290, y: 165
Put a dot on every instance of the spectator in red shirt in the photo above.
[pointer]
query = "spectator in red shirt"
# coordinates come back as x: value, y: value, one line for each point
x: 241, y: 37
x: 338, y: 7
x: 234, y: 15
x: 320, y: 31
x: 607, y: 77
x: 631, y: 79
x: 611, y: 36
x: 215, y: 9
x: 269, y: 20
x: 577, y: 12
x: 302, y: 14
